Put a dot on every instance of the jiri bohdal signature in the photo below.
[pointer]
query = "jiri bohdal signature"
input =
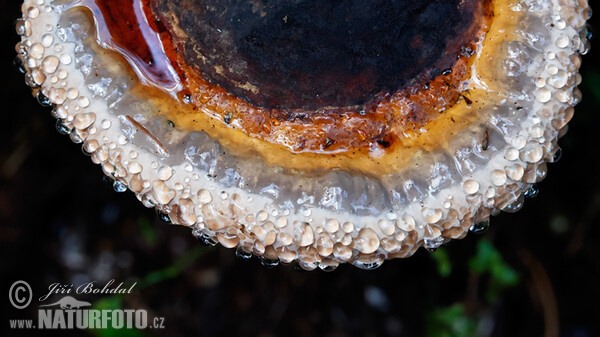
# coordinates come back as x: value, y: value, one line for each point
x: 88, y: 288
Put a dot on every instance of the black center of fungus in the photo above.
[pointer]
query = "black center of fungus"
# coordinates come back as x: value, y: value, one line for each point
x: 319, y: 53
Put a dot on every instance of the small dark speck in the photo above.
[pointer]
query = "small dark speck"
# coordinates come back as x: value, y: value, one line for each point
x: 467, y: 100
x: 171, y: 124
x: 519, y: 108
x: 383, y: 143
x: 486, y: 140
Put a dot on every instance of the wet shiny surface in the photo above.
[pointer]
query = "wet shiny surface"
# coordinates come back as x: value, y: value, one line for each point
x: 313, y: 54
x: 380, y: 124
x: 123, y: 27
x: 51, y: 243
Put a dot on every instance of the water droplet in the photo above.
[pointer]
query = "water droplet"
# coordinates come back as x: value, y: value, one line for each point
x: 20, y: 27
x: 85, y: 152
x: 479, y: 227
x: 367, y: 265
x: 242, y: 253
x: 532, y: 191
x: 43, y: 99
x: 269, y: 263
x: 19, y: 65
x: 119, y: 187
x: 515, y: 206
x: 589, y: 32
x: 433, y: 244
x: 206, y: 240
x: 589, y: 13
x: 328, y: 267
x: 163, y: 216
x: 298, y: 267
x: 62, y: 128
x: 308, y: 266
x: 30, y: 81
x: 557, y: 155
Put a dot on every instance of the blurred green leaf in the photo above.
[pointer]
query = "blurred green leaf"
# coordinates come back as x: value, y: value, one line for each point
x: 488, y: 259
x: 451, y: 321
x: 116, y: 301
x: 442, y: 259
x: 109, y: 303
x: 148, y: 233
x: 173, y: 270
x: 113, y: 303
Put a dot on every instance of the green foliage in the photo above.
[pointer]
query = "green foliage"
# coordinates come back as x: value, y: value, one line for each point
x: 173, y: 270
x: 451, y: 321
x: 148, y: 233
x: 442, y: 260
x: 488, y: 260
x: 113, y: 303
x: 116, y: 301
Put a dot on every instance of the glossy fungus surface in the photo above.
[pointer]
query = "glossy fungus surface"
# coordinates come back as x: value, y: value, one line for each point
x: 319, y: 132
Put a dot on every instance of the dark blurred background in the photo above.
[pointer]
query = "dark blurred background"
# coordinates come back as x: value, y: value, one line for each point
x: 534, y: 273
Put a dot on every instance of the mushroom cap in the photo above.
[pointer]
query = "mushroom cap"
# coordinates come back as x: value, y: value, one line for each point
x: 242, y: 193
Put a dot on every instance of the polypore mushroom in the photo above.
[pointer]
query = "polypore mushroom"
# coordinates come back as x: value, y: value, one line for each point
x: 321, y: 132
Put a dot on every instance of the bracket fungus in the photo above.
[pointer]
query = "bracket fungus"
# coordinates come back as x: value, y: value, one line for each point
x: 322, y: 132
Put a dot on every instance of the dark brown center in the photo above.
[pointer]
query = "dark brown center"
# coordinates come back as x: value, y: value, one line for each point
x: 308, y: 54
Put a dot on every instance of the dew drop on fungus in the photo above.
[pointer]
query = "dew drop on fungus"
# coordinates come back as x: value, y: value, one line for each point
x: 119, y: 187
x: 207, y: 240
x: 515, y: 205
x: 164, y: 217
x: 269, y: 263
x: 532, y: 191
x: 479, y: 227
x: 433, y: 244
x: 43, y: 99
x: 242, y: 253
x: 62, y: 128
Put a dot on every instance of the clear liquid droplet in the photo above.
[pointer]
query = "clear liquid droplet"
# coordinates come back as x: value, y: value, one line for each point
x: 242, y: 253
x: 480, y: 227
x: 515, y: 206
x: 269, y: 263
x: 63, y: 129
x: 43, y: 99
x: 532, y: 191
x: 367, y: 265
x: 206, y: 240
x: 119, y: 187
x: 19, y: 65
x: 433, y: 244
x: 163, y: 216
x: 328, y: 267
x: 557, y: 155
